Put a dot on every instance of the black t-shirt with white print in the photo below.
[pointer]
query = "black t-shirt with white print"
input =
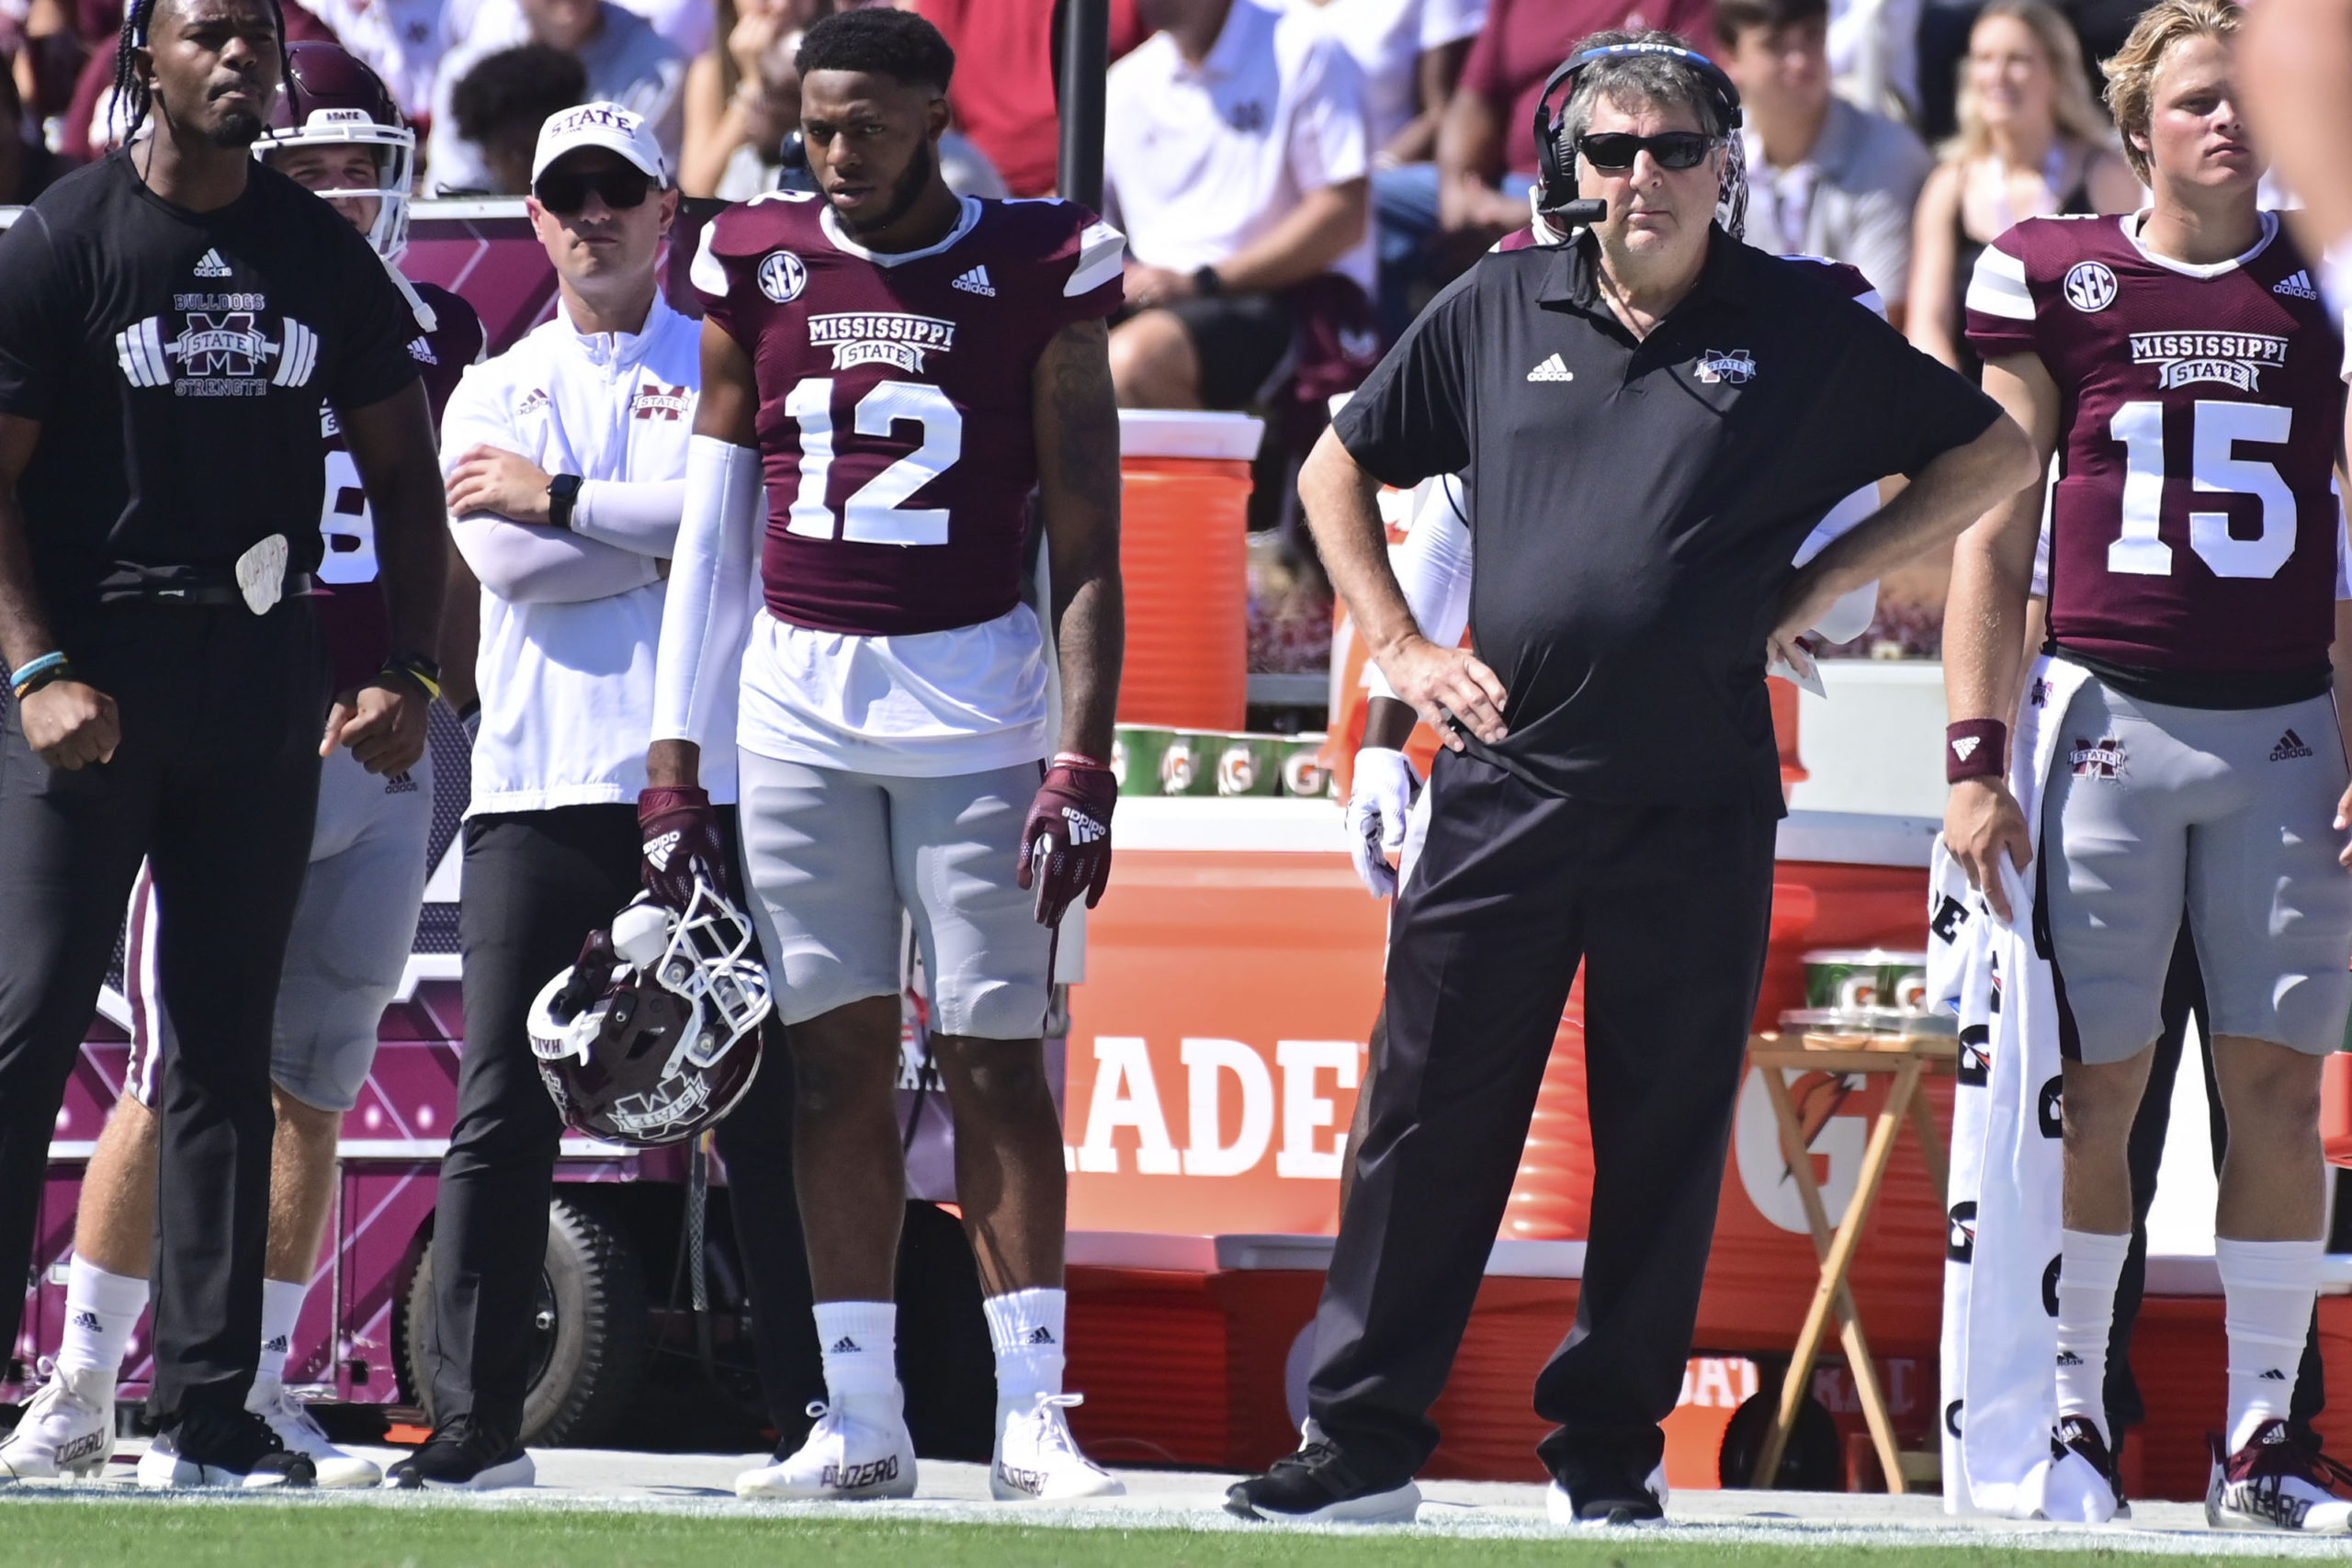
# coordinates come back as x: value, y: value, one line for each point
x: 177, y: 362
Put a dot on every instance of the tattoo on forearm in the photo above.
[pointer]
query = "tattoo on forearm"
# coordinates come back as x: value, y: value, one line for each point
x: 1086, y: 415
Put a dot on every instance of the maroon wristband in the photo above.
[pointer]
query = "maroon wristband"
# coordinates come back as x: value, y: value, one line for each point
x: 1975, y: 749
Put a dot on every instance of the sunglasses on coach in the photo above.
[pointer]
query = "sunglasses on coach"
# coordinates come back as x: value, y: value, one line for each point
x: 1615, y: 150
x: 564, y: 193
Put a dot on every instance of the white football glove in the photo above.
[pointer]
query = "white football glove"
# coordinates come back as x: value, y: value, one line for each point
x: 1378, y: 805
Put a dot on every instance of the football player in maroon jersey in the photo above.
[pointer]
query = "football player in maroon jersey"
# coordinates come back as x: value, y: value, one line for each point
x: 890, y: 372
x: 335, y: 130
x: 2179, y: 362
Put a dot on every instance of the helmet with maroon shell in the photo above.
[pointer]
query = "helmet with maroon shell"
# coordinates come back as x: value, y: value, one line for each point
x: 332, y: 99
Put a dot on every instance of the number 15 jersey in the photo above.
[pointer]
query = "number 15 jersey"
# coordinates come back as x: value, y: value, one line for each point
x: 2193, y: 531
x: 896, y: 426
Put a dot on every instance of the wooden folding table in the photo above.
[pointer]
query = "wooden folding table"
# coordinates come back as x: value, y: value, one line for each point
x: 1908, y: 1060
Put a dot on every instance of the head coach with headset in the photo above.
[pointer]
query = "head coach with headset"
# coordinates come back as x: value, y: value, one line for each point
x: 1649, y: 418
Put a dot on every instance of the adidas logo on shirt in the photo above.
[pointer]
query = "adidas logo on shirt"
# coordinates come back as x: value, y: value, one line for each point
x: 844, y: 1346
x: 2290, y: 746
x: 1552, y: 369
x: 2299, y: 287
x: 276, y: 1347
x: 977, y: 282
x: 210, y: 264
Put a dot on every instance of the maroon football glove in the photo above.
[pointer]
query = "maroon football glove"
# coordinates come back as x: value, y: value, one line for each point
x: 1066, y: 844
x: 680, y: 829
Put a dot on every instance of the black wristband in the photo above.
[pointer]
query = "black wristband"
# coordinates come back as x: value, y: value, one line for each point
x: 425, y: 672
x: 563, y: 493
x: 1206, y: 283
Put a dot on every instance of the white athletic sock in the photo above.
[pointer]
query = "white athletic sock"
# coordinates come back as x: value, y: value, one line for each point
x: 2267, y: 1288
x: 101, y: 1310
x: 2090, y: 1263
x: 860, y: 1348
x: 1026, y: 1327
x: 281, y: 1308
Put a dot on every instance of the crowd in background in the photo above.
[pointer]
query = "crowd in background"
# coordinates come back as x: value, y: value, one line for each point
x: 1297, y: 179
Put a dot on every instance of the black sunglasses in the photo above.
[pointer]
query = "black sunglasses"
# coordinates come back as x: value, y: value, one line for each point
x: 565, y: 194
x: 1618, y: 149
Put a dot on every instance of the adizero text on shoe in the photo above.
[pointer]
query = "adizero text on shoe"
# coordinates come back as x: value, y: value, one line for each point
x: 2078, y: 1437
x: 67, y: 1428
x: 850, y: 1455
x: 461, y: 1457
x: 300, y: 1432
x: 1317, y: 1485
x: 1601, y: 1505
x: 2277, y: 1483
x: 210, y: 1447
x: 1037, y: 1460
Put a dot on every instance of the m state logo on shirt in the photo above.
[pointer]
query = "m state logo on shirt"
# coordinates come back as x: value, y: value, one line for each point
x: 220, y: 348
x: 2233, y: 359
x: 653, y: 401
x: 868, y: 337
x: 1738, y: 367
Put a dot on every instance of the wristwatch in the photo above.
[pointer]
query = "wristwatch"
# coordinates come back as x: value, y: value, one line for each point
x: 1206, y: 283
x: 563, y: 492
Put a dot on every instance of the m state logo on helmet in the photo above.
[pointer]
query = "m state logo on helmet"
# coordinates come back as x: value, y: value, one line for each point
x: 332, y: 99
x: 653, y: 1034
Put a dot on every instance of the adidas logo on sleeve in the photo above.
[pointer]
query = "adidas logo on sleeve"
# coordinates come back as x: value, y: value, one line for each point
x: 977, y: 282
x: 2298, y: 287
x: 1552, y: 369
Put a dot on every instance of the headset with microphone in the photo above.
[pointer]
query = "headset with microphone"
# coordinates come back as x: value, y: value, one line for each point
x: 1555, y: 191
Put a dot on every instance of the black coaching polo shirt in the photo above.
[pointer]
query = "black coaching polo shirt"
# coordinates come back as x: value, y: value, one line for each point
x: 1635, y: 504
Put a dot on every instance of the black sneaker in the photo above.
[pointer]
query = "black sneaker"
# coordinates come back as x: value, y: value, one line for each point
x: 1588, y: 1500
x: 460, y: 1456
x: 2078, y: 1434
x: 1317, y: 1485
x: 215, y: 1448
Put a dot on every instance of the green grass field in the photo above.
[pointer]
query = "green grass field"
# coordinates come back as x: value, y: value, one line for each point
x: 133, y: 1534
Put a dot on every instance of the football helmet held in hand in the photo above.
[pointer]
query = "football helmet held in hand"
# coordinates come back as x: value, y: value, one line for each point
x: 652, y: 1035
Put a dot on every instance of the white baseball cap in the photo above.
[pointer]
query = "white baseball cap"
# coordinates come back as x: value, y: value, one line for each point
x: 605, y: 125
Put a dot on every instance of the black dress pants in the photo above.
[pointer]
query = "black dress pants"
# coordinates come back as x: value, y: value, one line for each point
x: 1669, y: 906
x: 217, y: 782
x: 536, y: 884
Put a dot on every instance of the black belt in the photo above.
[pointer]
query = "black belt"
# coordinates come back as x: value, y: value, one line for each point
x: 298, y: 583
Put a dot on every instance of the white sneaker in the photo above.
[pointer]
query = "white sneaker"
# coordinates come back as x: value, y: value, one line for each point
x: 300, y: 1432
x: 1036, y: 1458
x: 2275, y: 1483
x: 67, y: 1429
x: 847, y: 1457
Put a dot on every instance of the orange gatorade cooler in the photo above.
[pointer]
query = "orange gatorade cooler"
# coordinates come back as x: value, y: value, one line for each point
x: 1183, y: 553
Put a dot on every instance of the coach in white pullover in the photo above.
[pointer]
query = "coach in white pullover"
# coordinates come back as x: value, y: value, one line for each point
x: 565, y: 459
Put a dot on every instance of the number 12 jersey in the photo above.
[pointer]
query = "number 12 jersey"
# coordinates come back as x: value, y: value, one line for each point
x: 2193, y: 529
x: 896, y: 422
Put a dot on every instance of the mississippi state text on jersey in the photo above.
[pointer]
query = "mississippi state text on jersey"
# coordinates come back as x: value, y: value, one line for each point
x: 352, y: 614
x: 896, y: 428
x: 2192, y: 528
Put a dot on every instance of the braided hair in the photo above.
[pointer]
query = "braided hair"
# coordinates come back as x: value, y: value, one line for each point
x: 132, y: 95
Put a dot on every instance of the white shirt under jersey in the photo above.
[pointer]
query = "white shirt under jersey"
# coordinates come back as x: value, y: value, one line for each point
x: 572, y: 620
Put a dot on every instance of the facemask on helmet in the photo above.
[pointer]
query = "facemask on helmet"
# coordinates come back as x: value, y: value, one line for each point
x: 653, y: 1034
x: 332, y: 99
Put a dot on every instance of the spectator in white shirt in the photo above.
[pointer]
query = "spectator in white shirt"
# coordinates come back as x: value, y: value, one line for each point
x: 626, y: 62
x: 1825, y: 178
x: 1235, y: 159
x: 1410, y: 52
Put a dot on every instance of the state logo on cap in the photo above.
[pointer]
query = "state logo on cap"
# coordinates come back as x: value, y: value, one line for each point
x: 605, y: 125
